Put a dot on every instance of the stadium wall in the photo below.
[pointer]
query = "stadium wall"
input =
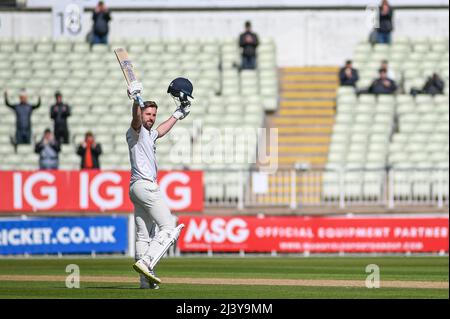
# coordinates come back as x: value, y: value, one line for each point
x: 303, y: 37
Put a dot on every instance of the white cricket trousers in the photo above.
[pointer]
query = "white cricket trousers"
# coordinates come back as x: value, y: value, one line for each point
x: 150, y: 210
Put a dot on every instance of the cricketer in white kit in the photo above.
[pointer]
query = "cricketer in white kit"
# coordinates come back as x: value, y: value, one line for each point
x: 150, y: 209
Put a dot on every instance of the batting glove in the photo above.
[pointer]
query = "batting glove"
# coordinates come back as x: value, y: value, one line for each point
x: 181, y: 112
x: 134, y: 89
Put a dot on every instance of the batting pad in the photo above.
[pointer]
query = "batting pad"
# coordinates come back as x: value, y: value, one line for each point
x: 165, y: 245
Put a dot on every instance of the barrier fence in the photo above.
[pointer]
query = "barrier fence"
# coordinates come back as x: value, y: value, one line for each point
x: 295, y: 189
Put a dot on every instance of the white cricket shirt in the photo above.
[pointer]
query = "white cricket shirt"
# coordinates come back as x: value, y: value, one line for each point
x: 142, y: 151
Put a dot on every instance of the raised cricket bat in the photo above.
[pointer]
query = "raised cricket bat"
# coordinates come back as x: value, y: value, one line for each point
x: 128, y: 70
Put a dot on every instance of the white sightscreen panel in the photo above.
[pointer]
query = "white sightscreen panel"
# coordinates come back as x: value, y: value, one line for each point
x: 238, y: 3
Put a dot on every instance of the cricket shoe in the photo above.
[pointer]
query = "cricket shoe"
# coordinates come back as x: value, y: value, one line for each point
x: 141, y: 266
x: 146, y: 284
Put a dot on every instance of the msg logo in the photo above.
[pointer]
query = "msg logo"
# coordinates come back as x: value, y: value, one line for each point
x: 217, y: 230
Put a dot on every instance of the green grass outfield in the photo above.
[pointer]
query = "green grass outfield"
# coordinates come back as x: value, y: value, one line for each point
x: 20, y: 278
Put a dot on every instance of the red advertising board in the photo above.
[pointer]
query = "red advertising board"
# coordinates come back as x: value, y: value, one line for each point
x: 314, y: 234
x: 92, y: 191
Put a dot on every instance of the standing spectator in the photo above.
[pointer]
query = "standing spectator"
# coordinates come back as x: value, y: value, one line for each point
x: 348, y: 76
x: 385, y: 66
x: 48, y: 149
x: 383, y: 85
x: 386, y: 25
x: 100, y: 29
x: 248, y: 41
x: 89, y: 151
x: 23, y: 117
x: 59, y: 112
x: 433, y: 86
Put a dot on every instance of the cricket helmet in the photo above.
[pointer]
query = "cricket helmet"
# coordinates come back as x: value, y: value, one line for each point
x: 180, y: 85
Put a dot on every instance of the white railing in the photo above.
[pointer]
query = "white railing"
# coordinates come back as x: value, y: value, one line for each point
x: 294, y: 189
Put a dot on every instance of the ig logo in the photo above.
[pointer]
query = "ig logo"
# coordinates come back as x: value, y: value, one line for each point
x: 373, y: 279
x: 73, y: 279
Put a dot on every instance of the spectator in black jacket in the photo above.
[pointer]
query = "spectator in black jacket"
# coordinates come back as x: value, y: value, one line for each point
x: 89, y: 151
x: 59, y: 112
x: 248, y: 41
x: 23, y: 112
x: 433, y: 86
x: 348, y: 76
x: 386, y: 25
x: 100, y: 29
x: 383, y: 85
x: 48, y: 149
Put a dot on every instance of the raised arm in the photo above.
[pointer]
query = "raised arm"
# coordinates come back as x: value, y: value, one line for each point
x: 37, y: 105
x: 136, y: 122
x: 180, y: 113
x: 166, y: 126
x: 7, y: 101
x: 134, y: 90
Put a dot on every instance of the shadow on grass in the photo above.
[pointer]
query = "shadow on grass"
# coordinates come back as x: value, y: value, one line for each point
x: 113, y: 287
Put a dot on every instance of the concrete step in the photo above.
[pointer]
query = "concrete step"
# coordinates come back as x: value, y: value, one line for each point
x: 307, y: 104
x: 302, y: 121
x: 285, y: 86
x: 282, y: 140
x: 305, y: 130
x: 307, y: 112
x: 309, y: 94
x: 312, y: 69
x: 303, y: 149
x: 312, y: 160
x: 311, y: 78
x: 301, y: 179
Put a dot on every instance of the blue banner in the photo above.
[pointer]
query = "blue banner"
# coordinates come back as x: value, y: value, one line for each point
x: 64, y: 235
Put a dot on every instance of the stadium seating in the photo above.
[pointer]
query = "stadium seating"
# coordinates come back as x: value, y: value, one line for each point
x: 405, y: 134
x: 91, y: 82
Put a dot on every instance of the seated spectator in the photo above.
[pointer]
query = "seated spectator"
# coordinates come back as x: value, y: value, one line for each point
x: 48, y: 149
x: 23, y: 112
x: 348, y: 76
x: 390, y: 73
x: 383, y: 85
x: 89, y: 151
x: 433, y: 86
x: 248, y: 41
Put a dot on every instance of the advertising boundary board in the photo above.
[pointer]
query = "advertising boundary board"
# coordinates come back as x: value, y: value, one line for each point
x: 64, y: 235
x: 92, y: 191
x: 357, y: 234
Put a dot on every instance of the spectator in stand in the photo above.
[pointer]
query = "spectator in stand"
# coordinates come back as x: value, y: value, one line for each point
x: 348, y: 76
x: 23, y: 112
x: 100, y: 29
x: 389, y: 72
x: 48, y: 149
x: 434, y: 85
x: 383, y: 85
x: 386, y: 26
x: 89, y: 151
x: 59, y: 112
x: 248, y: 41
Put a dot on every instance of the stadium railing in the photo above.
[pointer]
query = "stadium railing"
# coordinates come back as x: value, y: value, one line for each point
x: 387, y: 188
